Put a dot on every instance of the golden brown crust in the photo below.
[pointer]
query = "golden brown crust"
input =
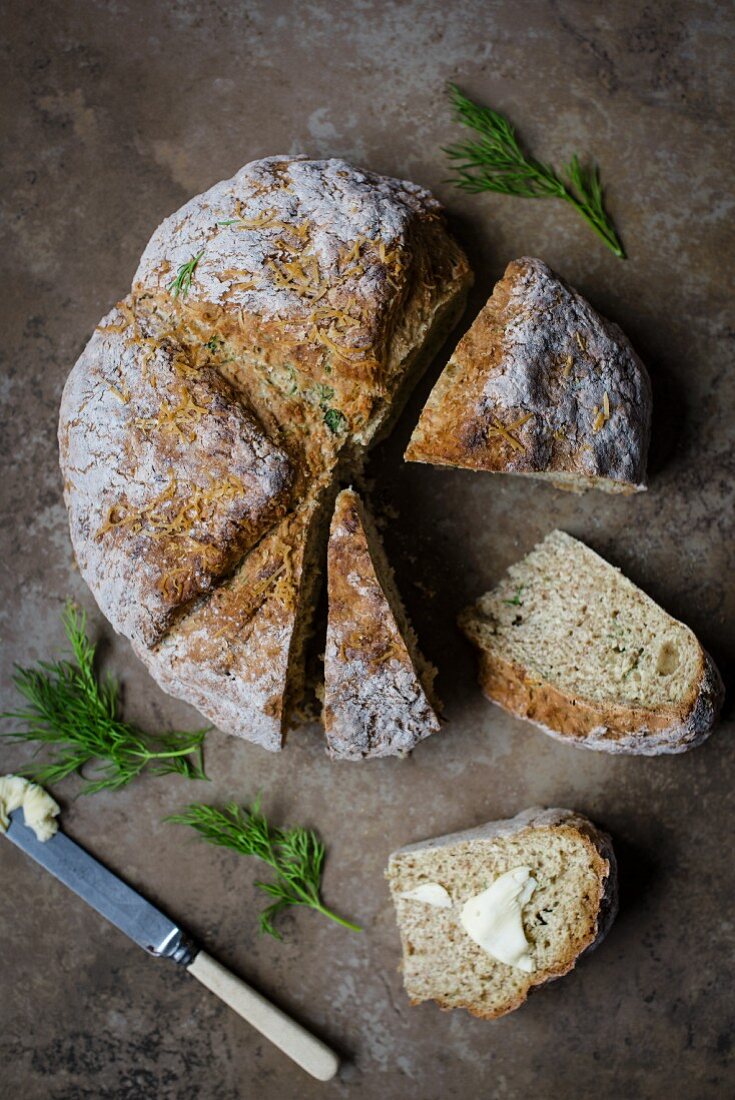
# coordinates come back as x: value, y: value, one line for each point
x: 590, y: 724
x: 313, y: 287
x: 374, y: 701
x: 231, y: 656
x: 540, y: 384
x: 594, y: 916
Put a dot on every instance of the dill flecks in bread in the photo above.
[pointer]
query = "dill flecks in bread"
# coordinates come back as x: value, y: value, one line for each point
x: 539, y: 889
x: 378, y: 689
x: 543, y: 385
x: 275, y: 325
x: 567, y: 642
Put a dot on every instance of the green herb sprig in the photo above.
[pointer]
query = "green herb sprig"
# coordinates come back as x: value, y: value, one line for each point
x: 335, y: 420
x: 496, y: 162
x: 296, y: 855
x: 77, y: 713
x: 181, y: 285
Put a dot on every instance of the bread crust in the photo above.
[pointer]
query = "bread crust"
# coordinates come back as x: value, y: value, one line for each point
x: 375, y: 703
x: 578, y: 720
x: 614, y: 729
x: 601, y: 849
x: 541, y: 384
x: 168, y: 479
x: 314, y: 289
x: 231, y: 656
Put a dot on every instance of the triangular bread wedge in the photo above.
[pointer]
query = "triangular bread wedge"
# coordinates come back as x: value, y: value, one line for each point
x: 567, y: 642
x: 541, y: 384
x: 377, y: 686
x: 539, y: 889
x: 239, y: 656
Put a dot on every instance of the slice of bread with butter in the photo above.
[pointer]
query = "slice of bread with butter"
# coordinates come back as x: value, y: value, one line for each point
x: 488, y: 914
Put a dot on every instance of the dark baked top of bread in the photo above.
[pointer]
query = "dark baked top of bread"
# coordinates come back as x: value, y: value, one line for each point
x: 270, y: 327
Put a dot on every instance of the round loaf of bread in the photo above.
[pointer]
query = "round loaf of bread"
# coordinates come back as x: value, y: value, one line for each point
x: 274, y: 327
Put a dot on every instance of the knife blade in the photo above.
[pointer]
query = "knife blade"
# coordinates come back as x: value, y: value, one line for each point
x: 110, y: 896
x: 161, y: 937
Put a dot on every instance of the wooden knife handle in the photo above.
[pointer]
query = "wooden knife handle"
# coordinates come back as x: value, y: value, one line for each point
x: 307, y: 1051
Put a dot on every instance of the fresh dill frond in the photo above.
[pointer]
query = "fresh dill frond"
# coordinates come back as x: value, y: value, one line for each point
x: 296, y: 855
x: 496, y: 162
x: 181, y: 285
x: 74, y: 711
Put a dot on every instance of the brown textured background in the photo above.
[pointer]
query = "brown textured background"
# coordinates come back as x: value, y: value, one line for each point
x: 118, y: 112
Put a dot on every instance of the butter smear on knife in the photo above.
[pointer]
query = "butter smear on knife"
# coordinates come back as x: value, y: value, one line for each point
x: 39, y: 808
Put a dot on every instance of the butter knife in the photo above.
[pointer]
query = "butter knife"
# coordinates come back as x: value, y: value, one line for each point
x: 161, y: 937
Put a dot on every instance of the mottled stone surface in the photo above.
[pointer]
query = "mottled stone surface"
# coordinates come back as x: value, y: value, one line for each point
x: 115, y: 114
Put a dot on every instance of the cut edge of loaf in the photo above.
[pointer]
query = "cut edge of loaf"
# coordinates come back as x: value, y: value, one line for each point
x: 571, y: 717
x: 426, y: 671
x: 533, y: 819
x: 406, y: 695
x: 312, y: 578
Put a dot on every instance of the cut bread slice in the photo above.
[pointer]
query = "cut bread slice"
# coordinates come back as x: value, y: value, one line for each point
x: 541, y: 384
x: 378, y: 689
x: 239, y: 656
x: 539, y: 890
x: 567, y: 642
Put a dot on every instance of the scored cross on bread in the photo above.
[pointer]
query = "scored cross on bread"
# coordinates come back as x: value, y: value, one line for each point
x: 168, y: 478
x: 275, y: 326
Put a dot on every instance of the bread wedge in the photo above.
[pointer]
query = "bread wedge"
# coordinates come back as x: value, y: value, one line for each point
x: 238, y: 655
x: 378, y: 689
x: 488, y: 914
x: 541, y: 384
x: 567, y: 642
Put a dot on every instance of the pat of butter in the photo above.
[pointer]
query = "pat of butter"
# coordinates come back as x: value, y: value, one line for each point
x: 493, y: 919
x: 39, y: 808
x: 431, y: 893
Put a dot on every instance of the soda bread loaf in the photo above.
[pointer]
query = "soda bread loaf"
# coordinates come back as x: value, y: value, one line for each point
x: 488, y: 914
x: 274, y: 327
x: 541, y: 384
x: 378, y: 689
x: 567, y: 642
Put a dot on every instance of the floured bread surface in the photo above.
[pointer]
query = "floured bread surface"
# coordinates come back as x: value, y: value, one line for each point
x: 569, y: 643
x: 274, y: 326
x: 235, y: 655
x: 168, y: 479
x: 541, y: 384
x: 570, y: 910
x: 377, y: 686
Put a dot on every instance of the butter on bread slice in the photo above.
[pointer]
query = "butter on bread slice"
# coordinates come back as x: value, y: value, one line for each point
x: 528, y: 896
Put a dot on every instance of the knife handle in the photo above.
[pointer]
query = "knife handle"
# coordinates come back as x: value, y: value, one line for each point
x: 294, y: 1040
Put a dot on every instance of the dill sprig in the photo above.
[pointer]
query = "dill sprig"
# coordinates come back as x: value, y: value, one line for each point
x: 77, y: 713
x: 496, y: 162
x: 182, y: 283
x: 296, y: 855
